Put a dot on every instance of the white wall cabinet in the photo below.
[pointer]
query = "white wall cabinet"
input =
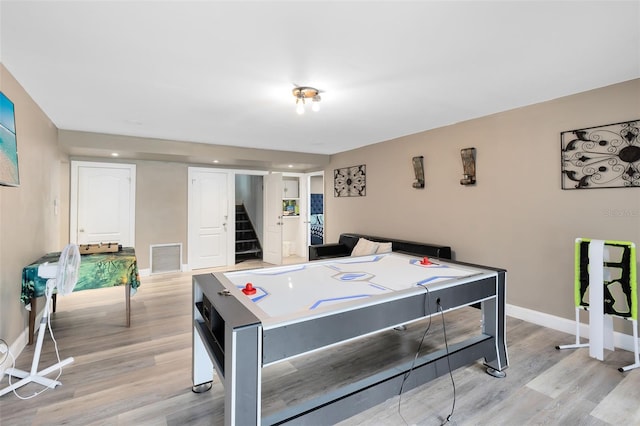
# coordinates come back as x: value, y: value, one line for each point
x: 290, y: 187
x: 293, y: 212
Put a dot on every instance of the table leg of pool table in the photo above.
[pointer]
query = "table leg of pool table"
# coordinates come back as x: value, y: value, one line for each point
x: 32, y: 315
x: 128, y: 303
x: 494, y: 324
x: 32, y: 319
x: 243, y: 375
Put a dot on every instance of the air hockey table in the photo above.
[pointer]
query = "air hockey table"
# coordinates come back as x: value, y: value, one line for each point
x: 244, y: 321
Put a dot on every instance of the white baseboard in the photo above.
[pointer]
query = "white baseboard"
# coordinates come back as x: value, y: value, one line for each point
x: 15, y: 349
x: 620, y: 340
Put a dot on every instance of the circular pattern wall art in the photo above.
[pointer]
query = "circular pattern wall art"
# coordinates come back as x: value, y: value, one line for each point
x: 601, y: 157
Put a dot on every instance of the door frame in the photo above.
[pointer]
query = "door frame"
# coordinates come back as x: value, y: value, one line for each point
x: 73, y: 196
x: 308, y: 177
x: 273, y: 220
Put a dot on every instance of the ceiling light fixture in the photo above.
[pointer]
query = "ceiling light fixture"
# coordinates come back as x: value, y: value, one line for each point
x: 303, y: 93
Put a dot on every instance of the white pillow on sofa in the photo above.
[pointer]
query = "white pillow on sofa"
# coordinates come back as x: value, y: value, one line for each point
x: 364, y: 247
x: 384, y: 248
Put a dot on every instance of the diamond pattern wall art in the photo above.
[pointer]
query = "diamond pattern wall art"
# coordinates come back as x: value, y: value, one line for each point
x: 350, y: 181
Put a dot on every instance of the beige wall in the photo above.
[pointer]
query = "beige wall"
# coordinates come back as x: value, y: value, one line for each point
x: 101, y: 145
x: 29, y: 227
x: 517, y: 216
x: 161, y: 207
x: 317, y: 185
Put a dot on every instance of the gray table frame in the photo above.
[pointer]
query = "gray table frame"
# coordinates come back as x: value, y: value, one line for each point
x: 253, y: 340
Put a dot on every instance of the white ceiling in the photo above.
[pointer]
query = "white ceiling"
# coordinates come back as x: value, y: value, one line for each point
x: 222, y: 72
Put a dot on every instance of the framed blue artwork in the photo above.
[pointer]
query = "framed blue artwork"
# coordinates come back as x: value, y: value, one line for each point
x: 8, y: 144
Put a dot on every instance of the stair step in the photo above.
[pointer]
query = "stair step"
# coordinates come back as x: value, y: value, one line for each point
x: 250, y: 251
x: 247, y: 244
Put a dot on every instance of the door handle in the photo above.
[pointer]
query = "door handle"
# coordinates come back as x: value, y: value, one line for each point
x: 81, y: 230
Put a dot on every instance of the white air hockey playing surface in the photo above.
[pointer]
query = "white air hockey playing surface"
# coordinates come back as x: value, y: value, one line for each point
x: 297, y: 309
x: 282, y: 291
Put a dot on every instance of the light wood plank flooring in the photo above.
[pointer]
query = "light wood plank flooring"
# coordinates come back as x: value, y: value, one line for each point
x: 142, y: 375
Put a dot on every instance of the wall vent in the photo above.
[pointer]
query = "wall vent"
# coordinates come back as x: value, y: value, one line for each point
x: 166, y: 258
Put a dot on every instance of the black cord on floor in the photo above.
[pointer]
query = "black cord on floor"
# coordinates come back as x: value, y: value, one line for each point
x: 446, y: 344
x: 427, y: 299
x: 453, y: 383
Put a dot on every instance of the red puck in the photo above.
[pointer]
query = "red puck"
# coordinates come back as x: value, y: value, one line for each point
x: 248, y: 289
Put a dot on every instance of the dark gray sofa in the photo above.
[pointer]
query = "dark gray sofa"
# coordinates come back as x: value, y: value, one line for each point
x: 347, y: 242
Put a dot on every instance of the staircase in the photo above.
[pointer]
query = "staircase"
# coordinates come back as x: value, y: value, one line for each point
x: 247, y: 244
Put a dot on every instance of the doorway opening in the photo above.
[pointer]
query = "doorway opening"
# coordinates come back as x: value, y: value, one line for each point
x: 249, y: 217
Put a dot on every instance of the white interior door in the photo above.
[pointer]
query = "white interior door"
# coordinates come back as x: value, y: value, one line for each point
x: 272, y: 250
x: 102, y: 203
x: 208, y: 218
